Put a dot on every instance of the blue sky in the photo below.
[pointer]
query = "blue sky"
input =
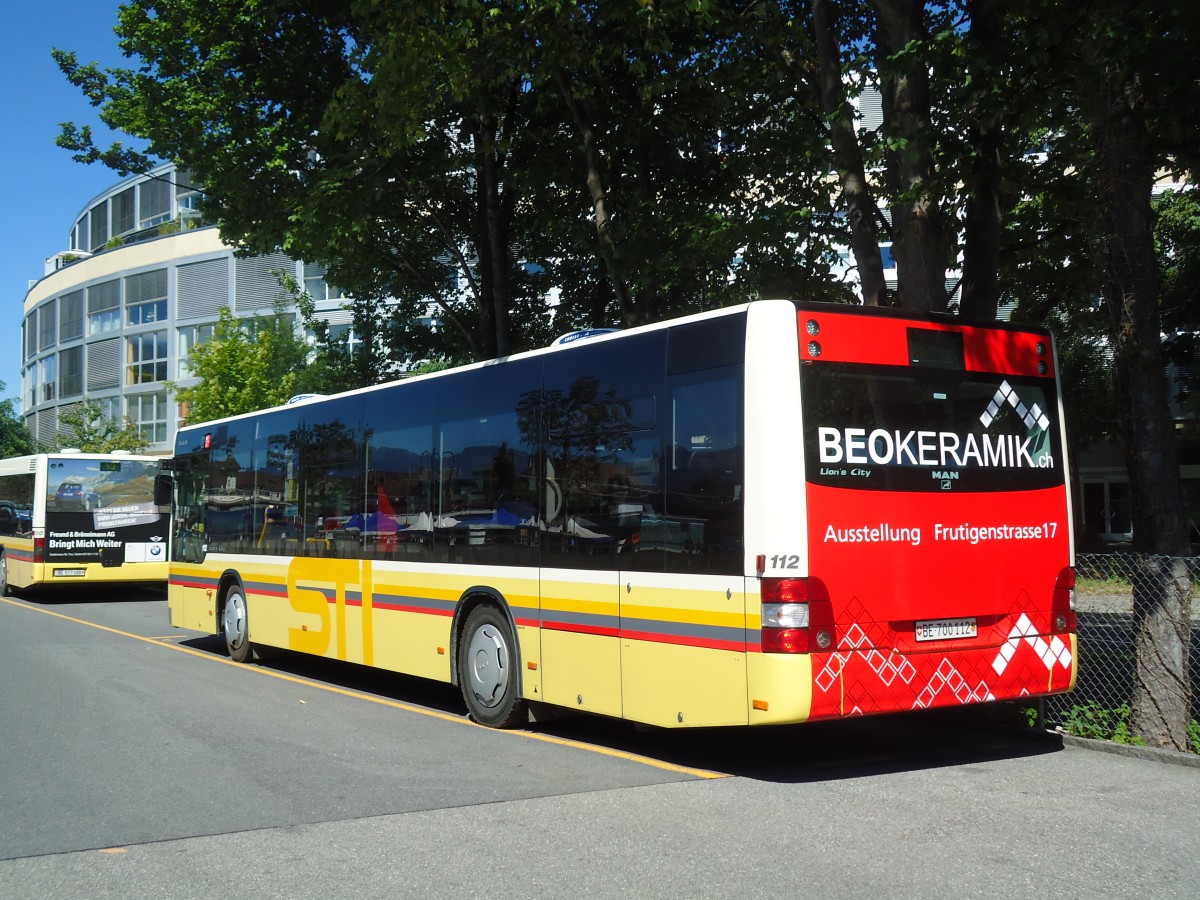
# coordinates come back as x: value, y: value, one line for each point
x: 42, y: 188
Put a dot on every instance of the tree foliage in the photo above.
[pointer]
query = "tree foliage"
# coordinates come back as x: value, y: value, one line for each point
x: 247, y: 365
x: 89, y: 429
x: 15, y: 437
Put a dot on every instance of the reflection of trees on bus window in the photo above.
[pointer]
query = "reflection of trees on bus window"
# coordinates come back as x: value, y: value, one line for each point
x: 602, y: 460
x: 16, y: 504
x: 588, y: 443
x: 484, y: 467
x: 330, y: 456
x: 702, y: 527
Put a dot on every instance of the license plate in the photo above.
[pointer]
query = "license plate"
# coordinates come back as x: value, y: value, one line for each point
x: 69, y: 573
x: 946, y: 629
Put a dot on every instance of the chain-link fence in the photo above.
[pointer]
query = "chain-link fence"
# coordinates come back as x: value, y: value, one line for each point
x: 1104, y: 603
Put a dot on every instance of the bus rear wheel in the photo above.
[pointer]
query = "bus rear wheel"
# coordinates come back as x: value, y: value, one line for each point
x: 4, y: 591
x: 487, y: 670
x: 235, y: 626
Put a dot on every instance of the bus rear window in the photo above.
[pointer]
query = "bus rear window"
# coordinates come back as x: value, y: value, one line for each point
x: 921, y: 429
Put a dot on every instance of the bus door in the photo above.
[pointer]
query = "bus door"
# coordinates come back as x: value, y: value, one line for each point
x: 601, y: 475
x: 683, y: 605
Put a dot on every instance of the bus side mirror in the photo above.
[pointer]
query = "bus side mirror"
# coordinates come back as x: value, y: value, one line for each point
x: 164, y: 489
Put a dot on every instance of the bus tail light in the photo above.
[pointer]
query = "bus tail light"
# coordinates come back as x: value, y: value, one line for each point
x: 792, y: 620
x: 1062, y: 606
x: 39, y: 550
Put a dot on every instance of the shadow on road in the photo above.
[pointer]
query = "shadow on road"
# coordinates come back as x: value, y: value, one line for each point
x: 72, y: 594
x: 820, y: 751
x: 817, y: 751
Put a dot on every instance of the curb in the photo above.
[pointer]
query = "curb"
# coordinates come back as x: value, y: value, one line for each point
x: 1154, y: 754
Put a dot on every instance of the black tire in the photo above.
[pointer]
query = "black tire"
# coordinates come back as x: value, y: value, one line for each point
x: 235, y: 625
x: 5, y: 590
x: 488, y: 670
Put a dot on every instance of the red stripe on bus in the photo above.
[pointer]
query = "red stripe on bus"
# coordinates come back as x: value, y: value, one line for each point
x: 580, y: 629
x: 683, y: 641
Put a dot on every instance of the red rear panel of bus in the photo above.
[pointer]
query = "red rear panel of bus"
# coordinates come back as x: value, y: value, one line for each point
x: 938, y: 511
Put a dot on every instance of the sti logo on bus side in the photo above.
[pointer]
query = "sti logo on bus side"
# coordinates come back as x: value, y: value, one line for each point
x: 941, y: 450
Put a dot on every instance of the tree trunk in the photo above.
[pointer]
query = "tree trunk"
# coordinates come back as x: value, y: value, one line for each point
x: 982, y: 217
x: 600, y: 203
x: 920, y: 245
x: 494, y: 256
x: 1162, y: 596
x: 847, y: 157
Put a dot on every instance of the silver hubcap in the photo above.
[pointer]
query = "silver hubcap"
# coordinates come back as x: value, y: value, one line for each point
x: 234, y: 621
x: 3, y: 574
x: 487, y: 665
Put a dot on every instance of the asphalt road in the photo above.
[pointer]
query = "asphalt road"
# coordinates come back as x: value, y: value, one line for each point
x: 137, y: 761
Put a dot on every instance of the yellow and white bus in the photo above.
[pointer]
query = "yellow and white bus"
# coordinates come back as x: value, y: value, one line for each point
x: 68, y: 518
x: 760, y: 515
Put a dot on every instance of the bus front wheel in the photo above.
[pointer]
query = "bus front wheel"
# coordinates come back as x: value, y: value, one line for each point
x: 487, y: 669
x: 4, y: 590
x: 235, y: 627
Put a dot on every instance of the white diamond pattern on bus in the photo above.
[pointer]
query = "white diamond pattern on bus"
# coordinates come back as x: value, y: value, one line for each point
x: 948, y: 677
x: 1005, y: 394
x: 1050, y: 652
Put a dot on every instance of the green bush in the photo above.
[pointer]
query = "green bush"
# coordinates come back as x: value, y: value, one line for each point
x: 1095, y: 721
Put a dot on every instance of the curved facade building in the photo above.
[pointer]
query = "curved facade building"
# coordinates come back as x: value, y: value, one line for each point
x: 117, y: 314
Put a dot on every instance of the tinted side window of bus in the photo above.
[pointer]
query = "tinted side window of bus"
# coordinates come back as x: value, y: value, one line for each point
x: 333, y: 488
x: 602, y: 415
x: 485, y: 465
x: 16, y: 504
x: 399, y: 428
x: 701, y: 529
x: 230, y: 504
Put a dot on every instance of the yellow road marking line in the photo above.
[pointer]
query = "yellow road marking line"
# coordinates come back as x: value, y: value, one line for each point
x: 383, y: 701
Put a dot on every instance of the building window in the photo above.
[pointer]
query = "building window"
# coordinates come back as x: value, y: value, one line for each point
x: 885, y: 254
x: 110, y: 408
x: 146, y: 298
x: 189, y: 339
x: 46, y: 326
x: 317, y: 287
x: 70, y: 316
x: 149, y: 413
x: 98, y: 225
x: 123, y: 220
x: 146, y: 356
x: 30, y: 326
x: 104, y: 307
x: 47, y: 378
x: 70, y: 374
x: 154, y: 202
x: 343, y: 335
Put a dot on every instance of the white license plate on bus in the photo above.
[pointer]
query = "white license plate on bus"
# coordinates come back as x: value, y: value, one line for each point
x: 946, y: 629
x: 69, y: 573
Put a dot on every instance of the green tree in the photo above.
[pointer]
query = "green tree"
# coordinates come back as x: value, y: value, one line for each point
x: 369, y: 136
x: 465, y: 157
x: 15, y: 436
x: 245, y: 366
x: 89, y: 428
x: 1119, y: 84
